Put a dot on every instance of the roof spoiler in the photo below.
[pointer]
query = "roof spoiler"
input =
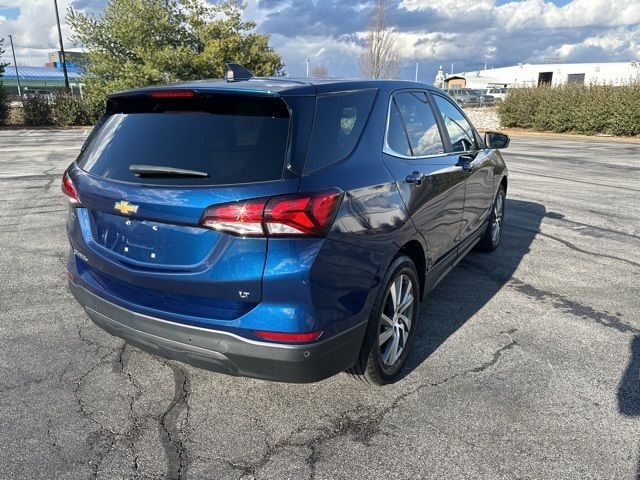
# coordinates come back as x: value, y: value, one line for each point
x: 236, y: 72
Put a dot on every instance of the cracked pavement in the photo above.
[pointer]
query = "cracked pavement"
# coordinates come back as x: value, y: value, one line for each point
x: 526, y: 364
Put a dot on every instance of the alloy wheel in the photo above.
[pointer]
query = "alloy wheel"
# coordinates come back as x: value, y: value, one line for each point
x: 396, y: 320
x: 498, y: 213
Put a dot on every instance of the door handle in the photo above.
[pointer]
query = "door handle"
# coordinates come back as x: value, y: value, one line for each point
x: 415, y: 177
x: 464, y: 161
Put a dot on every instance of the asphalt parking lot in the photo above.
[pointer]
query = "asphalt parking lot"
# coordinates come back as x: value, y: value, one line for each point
x: 527, y: 361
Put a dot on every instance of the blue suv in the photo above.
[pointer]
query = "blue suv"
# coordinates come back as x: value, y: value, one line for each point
x: 278, y: 229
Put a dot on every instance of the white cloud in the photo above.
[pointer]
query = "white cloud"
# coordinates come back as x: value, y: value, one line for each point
x: 34, y: 30
x: 578, y: 13
x: 467, y: 32
x: 337, y: 55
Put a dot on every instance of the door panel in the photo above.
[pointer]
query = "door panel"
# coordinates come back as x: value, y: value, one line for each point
x: 479, y: 182
x: 430, y: 183
x: 478, y: 193
x: 436, y: 205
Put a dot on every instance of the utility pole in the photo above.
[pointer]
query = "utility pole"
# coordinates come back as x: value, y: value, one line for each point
x: 13, y: 52
x: 62, y: 55
x: 416, y: 71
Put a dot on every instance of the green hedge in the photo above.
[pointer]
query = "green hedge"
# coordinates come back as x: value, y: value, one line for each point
x: 69, y: 110
x: 4, y: 105
x: 37, y: 111
x: 64, y: 110
x: 585, y: 109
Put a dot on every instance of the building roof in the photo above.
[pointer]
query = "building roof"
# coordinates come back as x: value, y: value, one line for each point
x: 41, y: 73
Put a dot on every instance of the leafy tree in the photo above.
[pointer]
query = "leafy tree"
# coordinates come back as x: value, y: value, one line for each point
x: 320, y: 72
x: 142, y: 42
x: 2, y: 64
x: 4, y: 100
x: 380, y: 57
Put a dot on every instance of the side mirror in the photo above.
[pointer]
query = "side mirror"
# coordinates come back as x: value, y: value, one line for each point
x: 496, y: 140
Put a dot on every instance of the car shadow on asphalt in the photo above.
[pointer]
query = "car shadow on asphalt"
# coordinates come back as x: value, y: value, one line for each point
x: 474, y: 282
x: 629, y: 389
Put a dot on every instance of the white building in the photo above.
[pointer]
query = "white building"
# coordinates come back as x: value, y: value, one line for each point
x: 616, y: 73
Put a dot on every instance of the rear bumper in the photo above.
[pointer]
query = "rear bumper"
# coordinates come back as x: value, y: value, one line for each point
x: 224, y: 352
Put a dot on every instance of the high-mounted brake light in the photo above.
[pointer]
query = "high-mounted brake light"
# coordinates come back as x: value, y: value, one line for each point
x: 289, y: 337
x: 69, y: 189
x: 172, y: 94
x: 286, y: 215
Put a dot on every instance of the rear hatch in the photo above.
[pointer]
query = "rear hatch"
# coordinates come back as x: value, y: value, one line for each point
x: 149, y: 171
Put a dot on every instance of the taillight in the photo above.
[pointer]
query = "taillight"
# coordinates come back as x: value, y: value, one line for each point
x: 240, y: 218
x: 69, y: 189
x: 301, y: 214
x: 172, y: 94
x: 287, y: 215
x: 289, y: 337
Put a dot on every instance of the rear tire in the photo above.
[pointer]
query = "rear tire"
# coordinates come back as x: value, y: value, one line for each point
x: 491, y: 238
x: 392, y: 325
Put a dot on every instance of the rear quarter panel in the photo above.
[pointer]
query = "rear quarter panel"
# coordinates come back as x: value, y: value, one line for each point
x: 371, y: 226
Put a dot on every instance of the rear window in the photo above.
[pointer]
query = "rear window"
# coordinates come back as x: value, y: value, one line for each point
x: 339, y: 121
x: 230, y: 138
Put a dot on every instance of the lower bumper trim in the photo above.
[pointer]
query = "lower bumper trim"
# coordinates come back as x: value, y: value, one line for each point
x: 224, y: 352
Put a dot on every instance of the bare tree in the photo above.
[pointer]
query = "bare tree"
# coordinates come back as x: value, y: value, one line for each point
x: 319, y: 72
x: 380, y: 57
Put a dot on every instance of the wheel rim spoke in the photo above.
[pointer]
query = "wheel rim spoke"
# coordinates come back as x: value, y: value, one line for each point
x: 406, y: 303
x: 406, y: 320
x: 385, y: 336
x: 394, y: 294
x: 389, y: 356
x: 405, y: 337
x: 387, y: 320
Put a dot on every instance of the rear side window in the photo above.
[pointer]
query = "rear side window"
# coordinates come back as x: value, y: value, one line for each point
x: 230, y: 138
x: 339, y: 121
x: 420, y: 124
x: 396, y: 134
x: 460, y: 131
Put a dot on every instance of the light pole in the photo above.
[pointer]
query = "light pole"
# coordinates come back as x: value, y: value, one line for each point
x: 416, y: 71
x: 307, y: 60
x: 62, y: 55
x: 15, y: 65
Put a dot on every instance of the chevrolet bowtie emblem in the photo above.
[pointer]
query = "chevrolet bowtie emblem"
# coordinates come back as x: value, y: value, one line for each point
x: 125, y: 207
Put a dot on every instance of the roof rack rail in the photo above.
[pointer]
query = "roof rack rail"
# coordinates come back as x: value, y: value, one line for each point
x: 236, y: 72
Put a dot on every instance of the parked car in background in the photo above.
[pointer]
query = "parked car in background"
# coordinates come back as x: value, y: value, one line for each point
x: 482, y: 97
x: 471, y: 97
x: 499, y: 93
x: 46, y: 94
x: 463, y: 96
x: 276, y: 228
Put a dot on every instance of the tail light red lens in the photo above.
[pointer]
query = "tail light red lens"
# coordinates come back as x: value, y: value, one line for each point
x: 69, y: 189
x: 289, y: 337
x: 240, y: 218
x: 287, y: 215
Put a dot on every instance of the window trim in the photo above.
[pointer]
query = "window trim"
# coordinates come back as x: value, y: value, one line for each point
x: 389, y: 151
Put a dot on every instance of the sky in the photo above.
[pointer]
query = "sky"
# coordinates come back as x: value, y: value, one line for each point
x: 460, y: 34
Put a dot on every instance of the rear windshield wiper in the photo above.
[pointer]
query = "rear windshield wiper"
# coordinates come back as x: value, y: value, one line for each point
x: 160, y: 171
